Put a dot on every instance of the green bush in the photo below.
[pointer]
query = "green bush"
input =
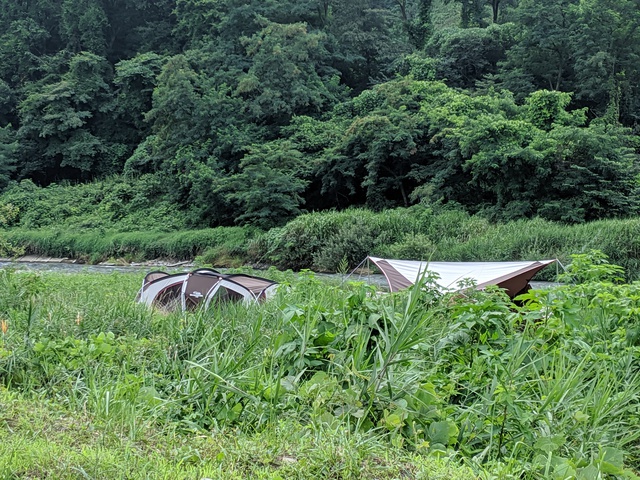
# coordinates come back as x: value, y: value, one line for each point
x: 353, y: 242
x: 116, y: 204
x: 417, y: 246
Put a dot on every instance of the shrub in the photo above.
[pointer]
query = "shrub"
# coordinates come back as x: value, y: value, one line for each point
x: 353, y: 242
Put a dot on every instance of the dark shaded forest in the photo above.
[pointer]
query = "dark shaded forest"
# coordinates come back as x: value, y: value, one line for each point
x: 254, y: 111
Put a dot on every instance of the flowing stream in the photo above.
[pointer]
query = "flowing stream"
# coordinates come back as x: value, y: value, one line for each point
x: 376, y: 279
x: 81, y: 268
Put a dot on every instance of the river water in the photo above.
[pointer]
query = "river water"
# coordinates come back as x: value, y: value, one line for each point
x: 141, y: 268
x: 79, y: 267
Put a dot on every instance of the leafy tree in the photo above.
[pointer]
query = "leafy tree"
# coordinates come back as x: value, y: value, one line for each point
x: 198, y: 19
x: 465, y: 56
x: 177, y: 107
x: 7, y: 103
x: 314, y: 138
x: 60, y: 122
x: 366, y: 42
x: 8, y: 150
x: 545, y: 108
x: 83, y: 26
x: 472, y: 12
x: 20, y: 45
x: 416, y: 18
x: 138, y: 27
x: 553, y: 167
x: 189, y: 108
x: 544, y: 54
x: 268, y: 187
x: 286, y: 76
x: 595, y: 174
x: 135, y: 80
x: 221, y: 24
x: 386, y: 145
x: 372, y: 161
x: 607, y: 55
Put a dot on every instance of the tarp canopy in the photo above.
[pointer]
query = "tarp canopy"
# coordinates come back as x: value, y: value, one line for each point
x: 514, y: 277
x: 201, y: 287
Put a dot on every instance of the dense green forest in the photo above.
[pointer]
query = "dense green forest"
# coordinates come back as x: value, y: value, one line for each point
x: 254, y: 111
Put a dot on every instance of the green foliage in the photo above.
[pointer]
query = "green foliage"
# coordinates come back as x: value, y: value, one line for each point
x: 83, y: 26
x: 547, y: 389
x: 542, y: 56
x: 418, y: 66
x: 8, y: 157
x: 466, y: 56
x: 135, y: 80
x: 266, y: 192
x: 112, y: 204
x: 284, y: 77
x: 321, y: 240
x: 547, y: 107
x: 591, y: 267
x: 206, y: 96
x: 61, y: 119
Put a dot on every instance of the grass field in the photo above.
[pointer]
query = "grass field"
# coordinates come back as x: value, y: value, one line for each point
x: 41, y: 439
x: 324, y: 381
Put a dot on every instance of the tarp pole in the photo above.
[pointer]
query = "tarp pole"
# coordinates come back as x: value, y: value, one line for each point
x: 560, y: 263
x: 344, y: 279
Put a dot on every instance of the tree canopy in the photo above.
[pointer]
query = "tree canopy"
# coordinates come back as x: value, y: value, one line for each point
x: 255, y: 111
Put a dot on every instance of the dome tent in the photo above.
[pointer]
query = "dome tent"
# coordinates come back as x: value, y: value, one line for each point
x: 201, y: 287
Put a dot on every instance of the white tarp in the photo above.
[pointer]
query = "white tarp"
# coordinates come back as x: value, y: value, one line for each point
x: 401, y: 273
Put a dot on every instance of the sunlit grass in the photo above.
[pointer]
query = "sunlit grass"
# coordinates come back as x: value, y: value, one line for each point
x: 39, y: 439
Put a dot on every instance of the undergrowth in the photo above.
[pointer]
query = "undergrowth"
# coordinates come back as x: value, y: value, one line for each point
x: 546, y: 388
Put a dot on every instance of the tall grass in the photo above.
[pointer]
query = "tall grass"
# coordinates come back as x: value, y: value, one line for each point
x: 96, y: 245
x: 550, y: 388
x: 322, y: 240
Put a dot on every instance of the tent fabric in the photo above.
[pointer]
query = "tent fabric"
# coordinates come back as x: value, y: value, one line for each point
x: 151, y: 276
x: 153, y: 289
x: 202, y: 287
x: 514, y: 277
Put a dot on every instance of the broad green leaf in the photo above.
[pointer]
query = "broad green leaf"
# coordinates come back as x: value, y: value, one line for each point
x: 611, y: 461
x: 549, y: 444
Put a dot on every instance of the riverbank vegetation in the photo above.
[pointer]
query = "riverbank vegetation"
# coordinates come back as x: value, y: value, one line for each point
x: 323, y: 380
x: 324, y: 241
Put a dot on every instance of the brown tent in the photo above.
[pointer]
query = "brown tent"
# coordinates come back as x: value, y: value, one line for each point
x: 202, y: 287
